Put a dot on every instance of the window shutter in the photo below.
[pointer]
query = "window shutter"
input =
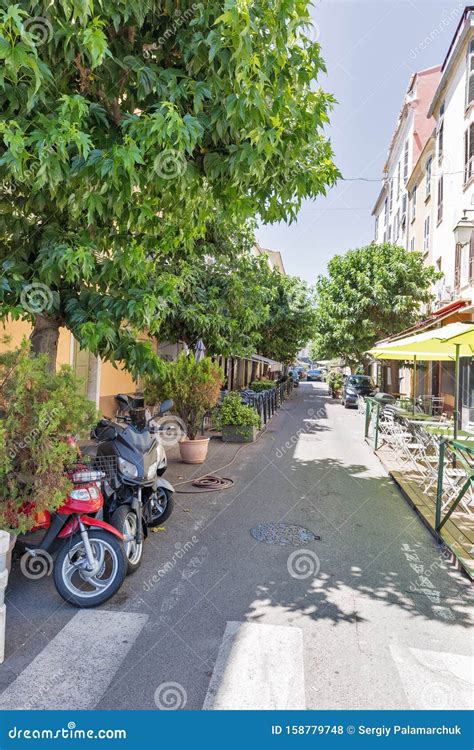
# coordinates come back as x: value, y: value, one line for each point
x: 466, y: 155
x: 471, y: 257
x: 440, y: 198
x: 470, y: 75
x: 405, y: 160
x: 457, y: 266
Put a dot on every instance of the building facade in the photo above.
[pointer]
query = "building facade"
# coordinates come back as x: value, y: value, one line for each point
x: 412, y: 131
x: 439, y: 203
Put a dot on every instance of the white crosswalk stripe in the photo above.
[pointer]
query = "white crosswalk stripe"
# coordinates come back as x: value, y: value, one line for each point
x: 258, y: 667
x: 76, y: 667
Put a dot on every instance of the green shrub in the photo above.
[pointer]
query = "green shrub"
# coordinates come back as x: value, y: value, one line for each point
x: 262, y: 385
x: 193, y: 386
x: 336, y: 381
x: 40, y: 410
x: 234, y: 413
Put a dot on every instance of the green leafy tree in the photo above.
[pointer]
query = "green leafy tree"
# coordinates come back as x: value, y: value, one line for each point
x: 290, y: 322
x: 369, y: 293
x: 223, y: 293
x: 126, y: 126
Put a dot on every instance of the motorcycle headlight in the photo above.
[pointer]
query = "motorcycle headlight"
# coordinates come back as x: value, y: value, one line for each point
x: 152, y: 470
x: 80, y: 495
x: 351, y: 392
x: 127, y: 468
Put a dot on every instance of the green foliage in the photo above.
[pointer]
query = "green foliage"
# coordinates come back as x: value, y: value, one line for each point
x: 233, y: 412
x: 262, y: 385
x: 126, y: 127
x: 193, y: 386
x: 335, y: 381
x: 369, y: 293
x: 290, y: 322
x: 224, y: 293
x: 40, y: 411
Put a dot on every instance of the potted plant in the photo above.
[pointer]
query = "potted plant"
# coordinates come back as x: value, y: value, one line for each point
x: 40, y: 412
x: 195, y: 389
x: 237, y: 421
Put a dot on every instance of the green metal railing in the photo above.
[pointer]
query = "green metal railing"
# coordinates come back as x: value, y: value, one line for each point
x: 462, y: 456
x: 372, y: 418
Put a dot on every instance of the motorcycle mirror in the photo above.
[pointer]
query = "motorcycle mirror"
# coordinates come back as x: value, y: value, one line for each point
x: 165, y: 406
x: 122, y: 400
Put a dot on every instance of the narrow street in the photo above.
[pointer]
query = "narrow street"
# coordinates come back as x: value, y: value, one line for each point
x: 369, y: 615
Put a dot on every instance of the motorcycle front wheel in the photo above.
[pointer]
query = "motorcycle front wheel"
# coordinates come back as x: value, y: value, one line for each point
x: 71, y: 574
x: 125, y: 520
x: 161, y: 507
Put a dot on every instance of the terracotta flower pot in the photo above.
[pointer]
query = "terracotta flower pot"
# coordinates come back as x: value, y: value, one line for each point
x: 194, y: 451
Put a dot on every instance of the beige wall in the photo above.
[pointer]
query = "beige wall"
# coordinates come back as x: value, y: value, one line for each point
x: 19, y: 330
x: 112, y: 379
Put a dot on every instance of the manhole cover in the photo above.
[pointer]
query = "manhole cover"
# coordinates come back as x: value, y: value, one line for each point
x: 282, y: 533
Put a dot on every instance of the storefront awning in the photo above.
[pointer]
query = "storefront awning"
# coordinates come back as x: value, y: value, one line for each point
x: 272, y: 364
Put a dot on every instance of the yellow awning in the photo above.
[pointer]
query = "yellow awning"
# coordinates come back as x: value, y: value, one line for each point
x: 438, y: 344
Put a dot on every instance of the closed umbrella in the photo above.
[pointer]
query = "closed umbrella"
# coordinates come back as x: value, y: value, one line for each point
x: 200, y: 350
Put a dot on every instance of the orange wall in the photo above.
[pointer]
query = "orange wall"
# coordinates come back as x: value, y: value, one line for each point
x: 19, y: 329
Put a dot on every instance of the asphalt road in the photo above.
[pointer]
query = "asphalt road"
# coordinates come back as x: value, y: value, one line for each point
x: 367, y: 615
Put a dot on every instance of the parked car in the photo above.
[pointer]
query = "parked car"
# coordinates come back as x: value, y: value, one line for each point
x: 355, y: 386
x: 316, y: 375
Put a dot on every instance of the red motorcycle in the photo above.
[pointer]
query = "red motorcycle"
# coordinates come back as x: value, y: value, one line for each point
x: 90, y: 564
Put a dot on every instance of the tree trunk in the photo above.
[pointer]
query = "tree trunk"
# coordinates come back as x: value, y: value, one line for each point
x: 44, y: 338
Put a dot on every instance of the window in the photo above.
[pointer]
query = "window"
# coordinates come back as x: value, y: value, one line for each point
x: 440, y: 198
x: 396, y: 226
x: 429, y: 165
x: 386, y: 211
x: 426, y: 235
x: 404, y: 208
x: 468, y: 153
x: 470, y: 74
x: 412, y: 244
x: 399, y: 179
x: 440, y: 133
x: 376, y: 227
x: 405, y: 160
x: 413, y: 202
x: 390, y: 205
x: 389, y: 233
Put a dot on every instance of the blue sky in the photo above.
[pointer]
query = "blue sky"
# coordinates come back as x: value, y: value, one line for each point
x: 370, y: 50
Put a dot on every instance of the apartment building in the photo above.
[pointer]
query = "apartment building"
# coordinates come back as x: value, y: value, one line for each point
x: 412, y: 130
x: 440, y: 201
x: 452, y: 108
